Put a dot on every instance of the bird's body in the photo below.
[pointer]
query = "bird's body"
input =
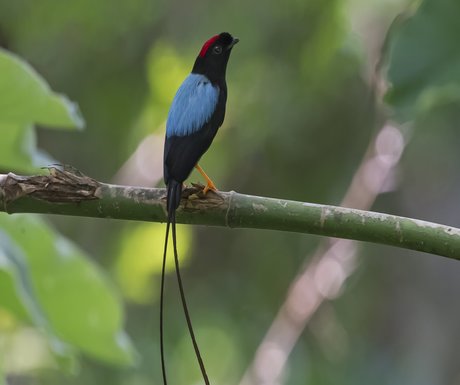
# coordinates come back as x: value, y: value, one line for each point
x: 196, y: 113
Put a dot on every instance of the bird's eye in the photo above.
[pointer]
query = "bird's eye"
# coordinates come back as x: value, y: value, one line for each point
x: 217, y: 49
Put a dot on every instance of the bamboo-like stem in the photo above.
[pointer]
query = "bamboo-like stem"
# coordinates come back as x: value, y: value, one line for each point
x: 65, y: 192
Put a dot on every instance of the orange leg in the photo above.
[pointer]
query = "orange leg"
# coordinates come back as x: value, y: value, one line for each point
x: 209, y: 183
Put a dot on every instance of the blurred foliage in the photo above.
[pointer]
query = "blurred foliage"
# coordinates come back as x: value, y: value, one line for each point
x: 300, y: 113
x: 25, y: 99
x: 78, y: 302
x: 44, y: 278
x: 424, y: 64
x: 135, y: 274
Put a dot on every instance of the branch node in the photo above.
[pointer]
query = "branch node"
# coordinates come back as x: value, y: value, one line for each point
x: 230, y: 206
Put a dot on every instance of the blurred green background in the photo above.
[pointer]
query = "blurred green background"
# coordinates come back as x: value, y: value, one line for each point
x: 304, y: 102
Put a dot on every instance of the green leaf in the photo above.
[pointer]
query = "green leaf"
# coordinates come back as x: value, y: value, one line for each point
x: 18, y: 149
x: 19, y: 296
x: 424, y: 59
x: 64, y: 293
x: 26, y: 98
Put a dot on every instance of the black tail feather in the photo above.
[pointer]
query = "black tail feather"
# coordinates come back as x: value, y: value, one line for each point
x: 173, y: 201
x: 184, y: 305
x: 173, y: 197
x: 163, y: 267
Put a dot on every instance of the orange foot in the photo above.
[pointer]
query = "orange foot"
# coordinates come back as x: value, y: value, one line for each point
x: 209, y: 183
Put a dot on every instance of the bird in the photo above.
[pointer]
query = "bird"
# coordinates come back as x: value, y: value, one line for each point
x: 196, y: 113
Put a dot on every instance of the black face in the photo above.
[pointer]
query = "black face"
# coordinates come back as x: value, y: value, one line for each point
x: 213, y: 58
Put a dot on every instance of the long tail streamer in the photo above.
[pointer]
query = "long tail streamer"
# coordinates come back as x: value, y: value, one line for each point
x: 162, y: 289
x: 172, y: 221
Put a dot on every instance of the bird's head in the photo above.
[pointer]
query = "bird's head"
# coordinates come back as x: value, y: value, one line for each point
x: 213, y: 57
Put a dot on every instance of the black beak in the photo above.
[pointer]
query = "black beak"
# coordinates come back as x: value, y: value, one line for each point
x: 234, y: 41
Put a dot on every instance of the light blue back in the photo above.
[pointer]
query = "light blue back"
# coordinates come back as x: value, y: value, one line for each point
x: 192, y: 107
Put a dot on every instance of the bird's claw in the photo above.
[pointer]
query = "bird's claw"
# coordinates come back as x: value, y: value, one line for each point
x: 209, y: 186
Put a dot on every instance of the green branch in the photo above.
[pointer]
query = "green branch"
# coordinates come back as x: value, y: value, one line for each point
x: 67, y: 192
